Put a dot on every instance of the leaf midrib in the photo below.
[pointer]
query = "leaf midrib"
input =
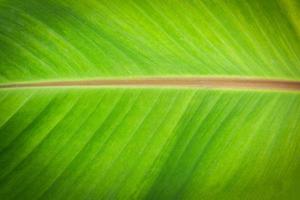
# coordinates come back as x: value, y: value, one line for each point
x: 162, y: 82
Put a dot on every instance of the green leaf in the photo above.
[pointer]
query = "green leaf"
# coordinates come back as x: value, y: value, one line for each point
x: 63, y: 39
x: 153, y: 141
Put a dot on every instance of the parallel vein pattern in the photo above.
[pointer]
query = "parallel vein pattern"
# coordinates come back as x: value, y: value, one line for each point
x: 149, y: 144
x: 63, y: 39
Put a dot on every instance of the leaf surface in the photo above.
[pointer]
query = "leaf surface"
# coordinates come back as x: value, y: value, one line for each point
x: 148, y: 142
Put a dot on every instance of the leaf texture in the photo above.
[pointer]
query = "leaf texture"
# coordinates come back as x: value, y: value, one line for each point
x: 148, y: 142
x: 63, y: 39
